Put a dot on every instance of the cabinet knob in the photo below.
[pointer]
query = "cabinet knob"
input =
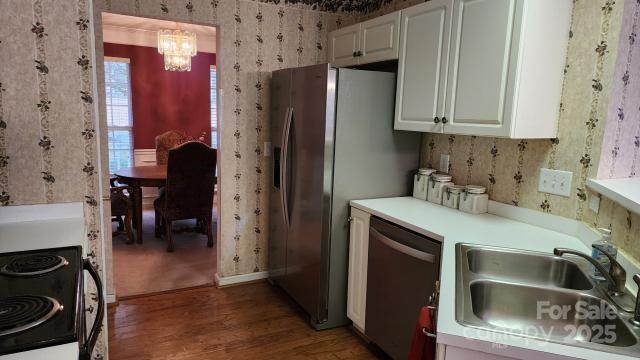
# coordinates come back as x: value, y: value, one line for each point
x: 359, y: 53
x: 349, y: 219
x: 444, y: 120
x: 436, y: 120
x: 355, y: 53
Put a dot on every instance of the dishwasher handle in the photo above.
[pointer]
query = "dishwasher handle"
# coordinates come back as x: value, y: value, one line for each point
x: 420, y: 255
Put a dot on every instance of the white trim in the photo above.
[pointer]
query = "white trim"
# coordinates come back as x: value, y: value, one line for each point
x: 104, y: 229
x: 117, y: 59
x: 625, y: 192
x: 110, y: 298
x: 239, y: 279
x: 149, y: 38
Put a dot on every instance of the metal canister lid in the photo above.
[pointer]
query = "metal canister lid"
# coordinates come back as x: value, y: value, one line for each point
x: 455, y: 189
x: 475, y: 189
x: 441, y: 177
x: 426, y: 171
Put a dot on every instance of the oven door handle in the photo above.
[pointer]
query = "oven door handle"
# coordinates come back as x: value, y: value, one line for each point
x: 87, y: 347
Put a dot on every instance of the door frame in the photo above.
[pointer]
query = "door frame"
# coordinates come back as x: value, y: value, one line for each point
x: 97, y: 54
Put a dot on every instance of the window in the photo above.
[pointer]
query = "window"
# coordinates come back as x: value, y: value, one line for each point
x: 119, y: 119
x: 214, y: 107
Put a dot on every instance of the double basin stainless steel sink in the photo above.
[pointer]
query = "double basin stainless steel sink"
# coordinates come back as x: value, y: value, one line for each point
x: 541, y: 296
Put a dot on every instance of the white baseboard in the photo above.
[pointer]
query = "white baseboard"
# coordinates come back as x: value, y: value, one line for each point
x: 239, y: 279
x: 110, y: 298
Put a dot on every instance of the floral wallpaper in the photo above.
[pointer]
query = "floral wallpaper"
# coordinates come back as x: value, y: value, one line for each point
x: 49, y: 124
x: 621, y: 145
x: 255, y: 39
x: 48, y: 151
x: 510, y: 168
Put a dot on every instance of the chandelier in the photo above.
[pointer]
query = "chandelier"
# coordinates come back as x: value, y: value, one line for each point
x: 177, y: 46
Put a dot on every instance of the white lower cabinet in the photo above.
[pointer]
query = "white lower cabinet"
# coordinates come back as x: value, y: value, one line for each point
x: 358, y: 257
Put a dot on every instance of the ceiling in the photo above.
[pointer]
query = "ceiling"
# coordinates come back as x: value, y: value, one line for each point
x: 133, y: 30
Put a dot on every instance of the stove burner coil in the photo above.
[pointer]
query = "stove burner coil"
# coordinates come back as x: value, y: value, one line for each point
x: 33, y: 265
x: 20, y: 313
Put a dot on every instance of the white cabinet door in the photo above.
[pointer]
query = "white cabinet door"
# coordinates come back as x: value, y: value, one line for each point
x: 482, y: 66
x: 379, y: 38
x: 358, y: 258
x: 343, y: 45
x: 422, y: 66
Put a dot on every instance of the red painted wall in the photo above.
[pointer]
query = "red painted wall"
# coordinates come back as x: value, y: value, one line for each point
x: 166, y: 100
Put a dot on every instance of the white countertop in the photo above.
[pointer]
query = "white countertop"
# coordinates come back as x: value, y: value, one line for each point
x: 451, y: 227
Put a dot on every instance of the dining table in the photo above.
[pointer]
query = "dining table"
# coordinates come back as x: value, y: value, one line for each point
x: 138, y: 177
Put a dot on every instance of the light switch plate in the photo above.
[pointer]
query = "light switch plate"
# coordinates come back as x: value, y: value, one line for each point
x: 267, y: 149
x: 444, y: 163
x: 555, y: 182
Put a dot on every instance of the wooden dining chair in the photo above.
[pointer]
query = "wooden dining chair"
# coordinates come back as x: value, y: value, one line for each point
x: 188, y: 193
x: 121, y: 209
x: 167, y: 141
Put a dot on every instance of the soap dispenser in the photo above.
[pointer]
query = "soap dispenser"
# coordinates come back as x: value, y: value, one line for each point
x: 604, y: 244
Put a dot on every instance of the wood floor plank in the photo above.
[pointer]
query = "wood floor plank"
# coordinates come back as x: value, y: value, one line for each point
x: 254, y: 321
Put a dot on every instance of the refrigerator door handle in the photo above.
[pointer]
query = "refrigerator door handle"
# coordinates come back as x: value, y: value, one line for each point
x: 284, y: 152
x: 420, y: 255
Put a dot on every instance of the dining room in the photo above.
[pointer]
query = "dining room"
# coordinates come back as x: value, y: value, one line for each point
x: 161, y: 110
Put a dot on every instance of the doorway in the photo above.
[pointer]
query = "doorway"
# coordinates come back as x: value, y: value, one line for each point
x: 151, y: 104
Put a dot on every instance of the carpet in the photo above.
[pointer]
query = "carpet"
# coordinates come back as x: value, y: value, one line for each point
x: 148, y: 268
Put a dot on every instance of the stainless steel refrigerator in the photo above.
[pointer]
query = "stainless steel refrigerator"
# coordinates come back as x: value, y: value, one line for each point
x: 333, y: 138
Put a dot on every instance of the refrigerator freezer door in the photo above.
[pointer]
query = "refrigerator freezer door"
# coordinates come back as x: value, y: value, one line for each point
x: 280, y: 109
x: 309, y: 181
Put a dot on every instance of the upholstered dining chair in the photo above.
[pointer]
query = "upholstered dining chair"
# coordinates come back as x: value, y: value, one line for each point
x: 167, y: 141
x: 188, y: 193
x: 121, y: 210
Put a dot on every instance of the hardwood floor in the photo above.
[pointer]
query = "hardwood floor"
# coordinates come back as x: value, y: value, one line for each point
x: 254, y: 321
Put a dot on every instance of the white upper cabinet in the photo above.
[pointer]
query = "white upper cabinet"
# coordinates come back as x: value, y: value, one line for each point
x: 504, y: 68
x: 343, y: 45
x: 479, y: 68
x: 422, y: 66
x: 379, y: 38
x: 370, y: 41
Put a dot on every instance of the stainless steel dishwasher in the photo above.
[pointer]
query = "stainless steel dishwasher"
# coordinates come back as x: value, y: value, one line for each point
x: 402, y: 273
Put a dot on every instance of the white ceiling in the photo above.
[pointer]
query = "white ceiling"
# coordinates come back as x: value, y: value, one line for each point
x: 133, y: 30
